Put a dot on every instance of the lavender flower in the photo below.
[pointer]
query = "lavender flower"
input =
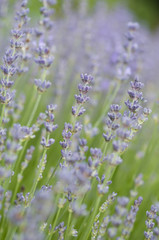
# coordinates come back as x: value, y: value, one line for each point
x: 130, y: 219
x: 11, y: 56
x: 151, y: 215
x: 56, y: 184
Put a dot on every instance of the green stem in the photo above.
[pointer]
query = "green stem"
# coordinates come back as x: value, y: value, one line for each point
x: 39, y: 170
x: 20, y: 156
x: 28, y: 107
x: 2, y: 114
x: 17, y: 163
x: 6, y: 184
x: 86, y: 233
x: 37, y: 101
x: 15, y: 192
x: 54, y: 224
x: 54, y: 171
x: 68, y: 224
x: 10, y: 233
x: 107, y: 104
x: 105, y: 149
x: 34, y: 110
x: 109, y: 173
x: 16, y: 187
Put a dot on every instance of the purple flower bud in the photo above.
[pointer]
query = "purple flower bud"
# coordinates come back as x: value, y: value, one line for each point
x: 149, y: 224
x: 82, y: 142
x: 81, y: 111
x: 96, y: 152
x: 107, y: 137
x: 115, y: 108
x: 83, y: 89
x: 123, y: 201
x: 50, y: 127
x: 78, y: 127
x: 133, y: 107
x: 113, y: 159
x: 137, y: 85
x: 64, y: 144
x: 147, y: 111
x: 51, y: 108
x: 29, y: 153
x: 42, y: 86
x: 86, y: 78
x: 80, y: 99
x: 133, y: 26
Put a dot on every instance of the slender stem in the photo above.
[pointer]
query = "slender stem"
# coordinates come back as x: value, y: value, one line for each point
x: 2, y: 223
x: 37, y: 178
x: 107, y: 103
x: 34, y: 110
x: 110, y: 173
x: 105, y: 149
x: 16, y: 187
x: 5, y: 187
x: 54, y: 224
x: 37, y: 102
x: 36, y: 181
x: 15, y: 192
x: 17, y: 163
x: 28, y: 107
x: 10, y: 233
x: 86, y: 234
x: 2, y: 114
x: 40, y: 169
x: 54, y: 171
x: 122, y: 226
x: 105, y: 145
x: 68, y: 224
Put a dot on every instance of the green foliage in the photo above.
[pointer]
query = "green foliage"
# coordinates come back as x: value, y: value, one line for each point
x: 67, y: 183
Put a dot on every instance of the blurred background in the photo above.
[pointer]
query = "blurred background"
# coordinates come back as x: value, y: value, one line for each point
x: 146, y: 11
x: 77, y: 48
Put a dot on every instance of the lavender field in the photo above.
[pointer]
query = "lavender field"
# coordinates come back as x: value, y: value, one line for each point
x: 79, y: 123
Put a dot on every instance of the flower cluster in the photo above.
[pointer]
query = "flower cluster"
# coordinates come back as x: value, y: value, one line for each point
x: 66, y: 171
x: 10, y: 60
